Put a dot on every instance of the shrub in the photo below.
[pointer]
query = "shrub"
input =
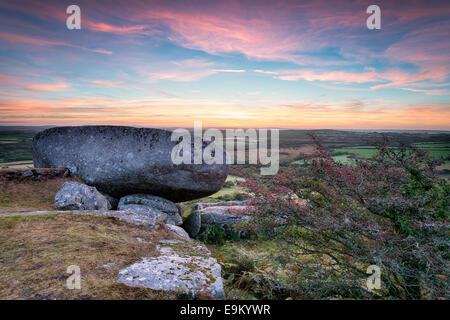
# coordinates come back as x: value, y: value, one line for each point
x: 238, y: 261
x: 217, y: 234
x: 237, y: 196
x: 213, y: 234
x: 228, y: 184
x: 391, y: 211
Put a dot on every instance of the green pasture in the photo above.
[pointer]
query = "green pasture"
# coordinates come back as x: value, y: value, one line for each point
x: 439, y: 150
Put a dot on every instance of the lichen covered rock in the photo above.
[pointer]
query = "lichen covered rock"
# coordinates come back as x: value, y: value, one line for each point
x: 148, y: 204
x: 187, y: 270
x: 121, y: 160
x: 78, y: 196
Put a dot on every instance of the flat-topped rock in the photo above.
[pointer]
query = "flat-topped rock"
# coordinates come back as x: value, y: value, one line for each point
x: 149, y: 204
x: 225, y: 214
x: 180, y: 268
x: 122, y: 160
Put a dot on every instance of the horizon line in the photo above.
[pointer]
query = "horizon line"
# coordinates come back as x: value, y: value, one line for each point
x: 206, y: 127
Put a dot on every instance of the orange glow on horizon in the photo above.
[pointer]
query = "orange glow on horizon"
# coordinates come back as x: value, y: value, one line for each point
x: 101, y: 111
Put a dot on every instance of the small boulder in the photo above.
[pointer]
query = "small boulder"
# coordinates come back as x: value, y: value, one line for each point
x: 27, y: 174
x: 178, y: 231
x: 78, y: 196
x: 192, y: 223
x: 163, y: 205
x: 113, y: 202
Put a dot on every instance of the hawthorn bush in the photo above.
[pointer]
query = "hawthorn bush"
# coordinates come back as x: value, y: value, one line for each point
x: 334, y: 220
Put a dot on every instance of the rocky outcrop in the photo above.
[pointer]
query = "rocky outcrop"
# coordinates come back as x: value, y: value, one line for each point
x: 180, y: 268
x: 121, y: 160
x: 130, y: 217
x: 151, y: 205
x: 78, y: 196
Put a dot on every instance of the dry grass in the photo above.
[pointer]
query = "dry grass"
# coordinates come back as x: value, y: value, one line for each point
x: 36, y: 250
x: 28, y: 195
x: 287, y: 155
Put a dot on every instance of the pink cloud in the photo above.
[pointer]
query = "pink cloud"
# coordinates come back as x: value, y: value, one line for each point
x: 103, y: 27
x: 193, y: 63
x: 394, y: 77
x: 431, y: 92
x: 29, y: 84
x: 106, y: 83
x: 333, y: 76
x: 48, y: 87
x: 186, y: 71
x: 14, y: 37
x: 222, y: 31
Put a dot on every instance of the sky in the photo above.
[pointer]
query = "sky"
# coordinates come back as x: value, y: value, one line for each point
x: 283, y: 64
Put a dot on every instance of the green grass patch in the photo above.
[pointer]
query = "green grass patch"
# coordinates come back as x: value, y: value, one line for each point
x: 438, y: 150
x: 362, y: 152
x: 344, y: 159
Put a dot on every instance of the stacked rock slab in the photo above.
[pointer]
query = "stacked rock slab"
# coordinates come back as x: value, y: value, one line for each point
x: 151, y: 205
x: 122, y: 160
x: 226, y: 214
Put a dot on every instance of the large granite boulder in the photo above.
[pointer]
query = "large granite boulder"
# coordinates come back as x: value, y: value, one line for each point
x: 121, y: 160
x: 78, y: 196
x: 148, y: 204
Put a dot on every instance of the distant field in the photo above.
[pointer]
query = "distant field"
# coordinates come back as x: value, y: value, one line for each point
x: 342, y: 159
x: 15, y: 149
x: 6, y: 139
x: 438, y: 150
x: 15, y: 144
x: 17, y: 164
x: 362, y: 152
